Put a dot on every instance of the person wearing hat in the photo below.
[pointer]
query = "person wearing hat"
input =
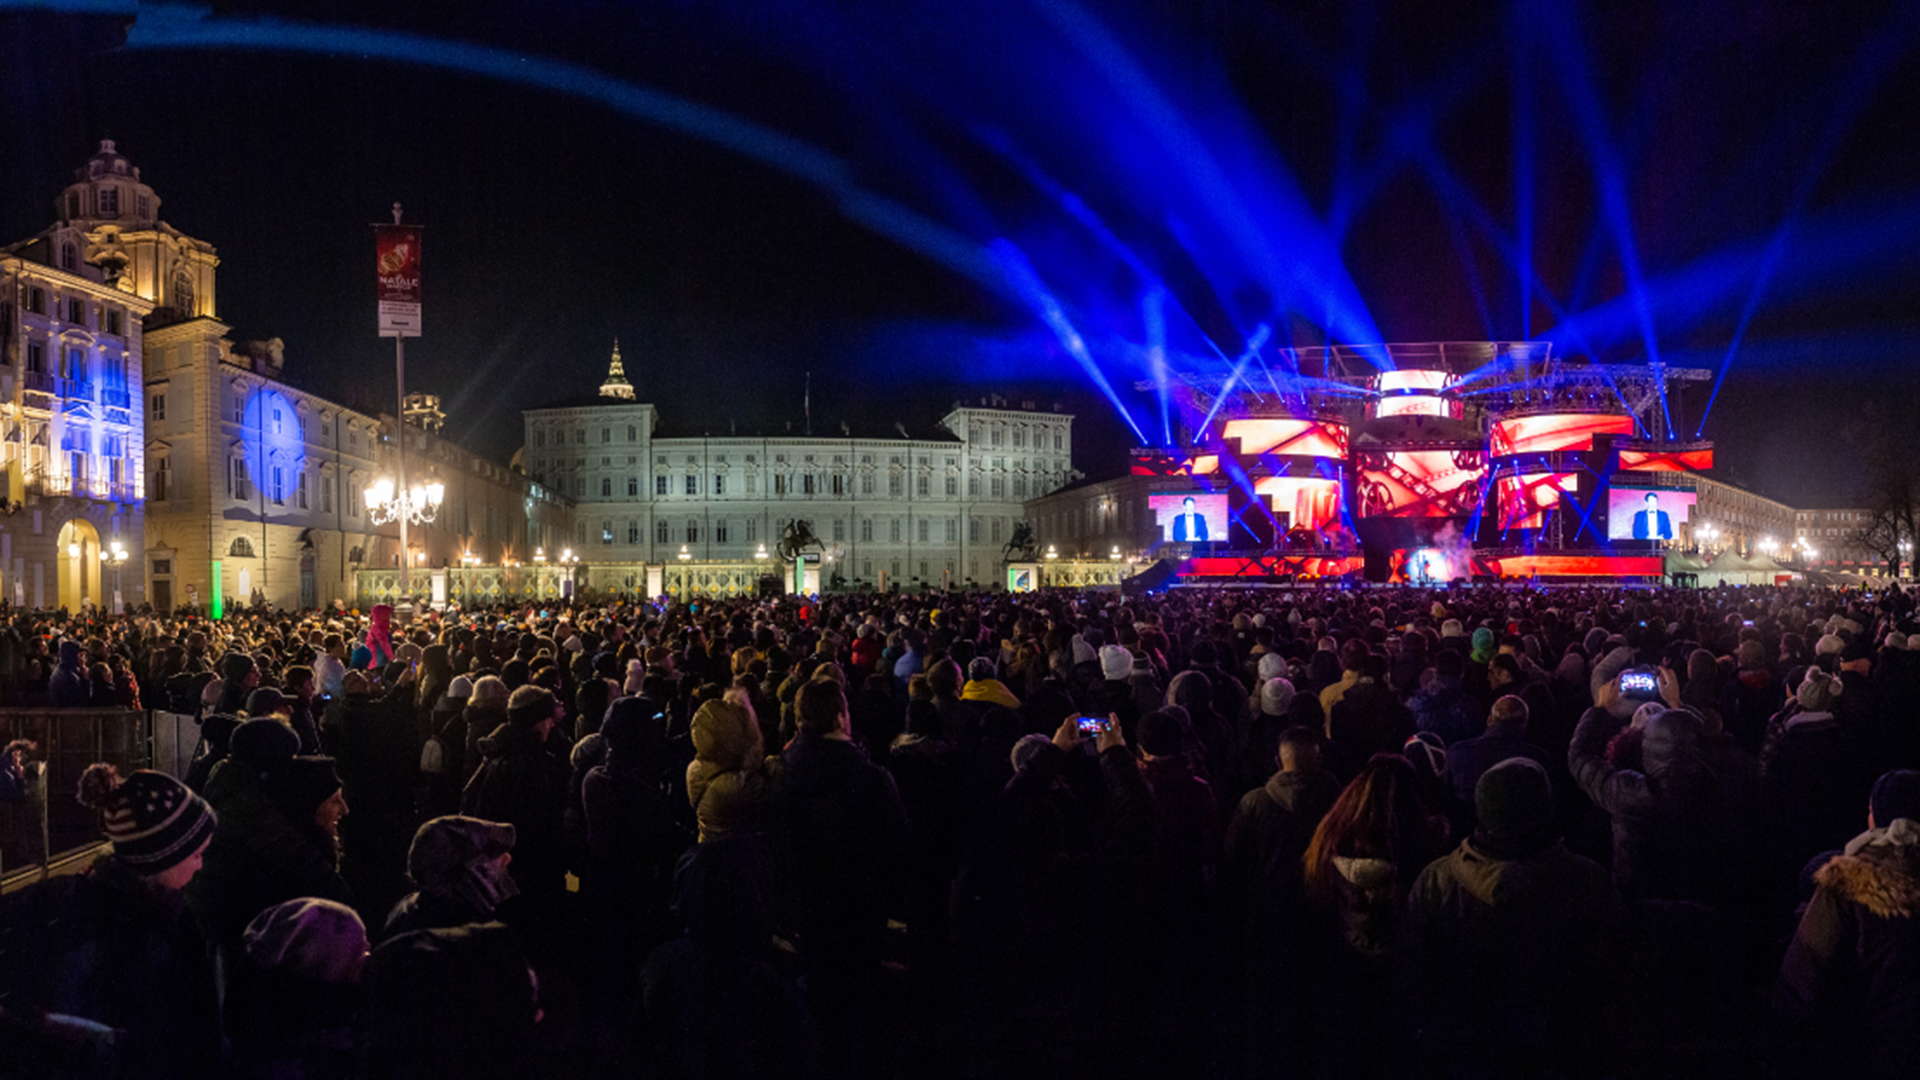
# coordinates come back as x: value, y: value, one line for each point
x: 1846, y: 997
x: 522, y: 782
x: 1509, y: 938
x: 113, y: 945
x: 239, y: 675
x: 1811, y: 775
x: 1671, y: 833
x: 458, y: 867
x: 279, y: 837
x: 632, y: 840
x: 293, y: 1007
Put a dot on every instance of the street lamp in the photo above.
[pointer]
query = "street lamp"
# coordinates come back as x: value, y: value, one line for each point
x: 416, y: 506
x: 116, y: 557
x: 1051, y: 553
x: 684, y: 553
x: 1115, y: 553
x: 540, y: 555
x: 761, y: 553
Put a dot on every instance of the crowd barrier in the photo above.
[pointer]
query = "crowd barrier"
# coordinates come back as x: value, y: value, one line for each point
x: 51, y: 828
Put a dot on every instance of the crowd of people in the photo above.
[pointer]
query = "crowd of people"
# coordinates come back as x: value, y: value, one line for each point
x: 1465, y: 832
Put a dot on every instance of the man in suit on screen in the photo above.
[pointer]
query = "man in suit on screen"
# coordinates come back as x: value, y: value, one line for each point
x: 1189, y: 526
x: 1653, y: 522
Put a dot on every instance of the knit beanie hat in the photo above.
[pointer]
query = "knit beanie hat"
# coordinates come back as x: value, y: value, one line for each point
x: 235, y: 667
x: 1116, y: 663
x: 1082, y: 652
x: 1271, y: 666
x: 1514, y: 801
x: 1830, y: 643
x: 262, y: 743
x: 980, y: 669
x: 1818, y: 690
x: 635, y: 680
x: 300, y: 784
x: 1276, y: 696
x: 1026, y: 748
x: 1428, y: 752
x: 529, y: 705
x: 1159, y: 733
x: 1895, y: 795
x: 265, y: 701
x: 154, y: 822
x: 461, y: 688
x: 316, y: 940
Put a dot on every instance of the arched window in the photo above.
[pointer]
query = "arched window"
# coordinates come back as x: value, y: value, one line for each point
x: 242, y: 548
x: 183, y: 294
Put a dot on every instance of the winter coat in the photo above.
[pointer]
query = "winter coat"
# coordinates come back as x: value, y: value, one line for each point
x: 1274, y: 823
x: 1507, y: 959
x: 111, y: 947
x: 846, y: 839
x: 523, y: 783
x: 727, y: 781
x: 1467, y: 761
x: 464, y: 735
x: 1670, y: 832
x: 69, y: 687
x: 258, y: 857
x: 456, y: 1001
x: 1186, y: 838
x: 1369, y: 720
x: 1446, y: 709
x: 1849, y: 989
x: 1813, y: 795
x: 632, y: 844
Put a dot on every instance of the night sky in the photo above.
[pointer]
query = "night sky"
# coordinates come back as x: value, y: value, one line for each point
x: 1656, y: 167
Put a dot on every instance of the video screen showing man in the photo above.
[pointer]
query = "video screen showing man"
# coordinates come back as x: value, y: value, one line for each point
x: 1651, y: 522
x: 1188, y: 517
x: 1635, y: 513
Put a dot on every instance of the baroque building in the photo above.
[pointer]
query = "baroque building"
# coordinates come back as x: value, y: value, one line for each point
x: 73, y: 301
x: 132, y: 423
x: 889, y: 508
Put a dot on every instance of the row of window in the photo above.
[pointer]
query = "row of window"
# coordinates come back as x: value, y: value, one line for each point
x: 79, y: 312
x: 106, y: 203
x: 1016, y: 434
x: 809, y: 484
x: 924, y: 530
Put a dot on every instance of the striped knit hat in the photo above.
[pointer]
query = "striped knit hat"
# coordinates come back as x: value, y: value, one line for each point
x: 154, y: 822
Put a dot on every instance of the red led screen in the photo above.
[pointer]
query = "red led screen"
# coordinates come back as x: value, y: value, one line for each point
x: 1306, y: 565
x: 1302, y: 438
x: 1555, y: 431
x: 1411, y: 405
x: 1667, y: 461
x: 1420, y: 483
x: 1572, y: 565
x: 1525, y: 499
x: 1311, y: 502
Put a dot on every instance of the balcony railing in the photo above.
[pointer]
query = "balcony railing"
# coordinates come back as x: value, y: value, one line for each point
x: 41, y: 381
x: 90, y: 487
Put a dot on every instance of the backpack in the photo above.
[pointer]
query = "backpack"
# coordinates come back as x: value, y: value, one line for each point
x: 433, y: 755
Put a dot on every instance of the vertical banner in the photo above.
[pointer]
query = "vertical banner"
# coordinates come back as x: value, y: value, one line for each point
x: 397, y: 267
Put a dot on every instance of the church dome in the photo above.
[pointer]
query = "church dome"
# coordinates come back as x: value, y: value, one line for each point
x: 108, y: 188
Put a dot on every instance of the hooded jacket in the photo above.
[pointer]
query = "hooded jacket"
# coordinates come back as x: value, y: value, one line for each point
x: 1507, y: 957
x: 727, y: 780
x: 1670, y: 833
x: 1849, y: 989
x: 1274, y: 823
x: 523, y: 783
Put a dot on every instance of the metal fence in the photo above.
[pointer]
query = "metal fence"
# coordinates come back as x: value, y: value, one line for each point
x: 51, y: 824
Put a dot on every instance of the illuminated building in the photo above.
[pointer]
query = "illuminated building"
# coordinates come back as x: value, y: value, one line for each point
x: 132, y: 419
x: 72, y: 301
x: 925, y: 508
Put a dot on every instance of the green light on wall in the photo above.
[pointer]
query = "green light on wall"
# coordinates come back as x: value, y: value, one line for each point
x: 214, y: 607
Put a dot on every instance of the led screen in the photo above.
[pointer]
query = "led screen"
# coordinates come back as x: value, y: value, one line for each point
x: 1190, y: 517
x: 1411, y: 405
x: 1420, y: 483
x: 1666, y: 460
x: 1311, y: 502
x: 1647, y: 513
x: 1525, y: 499
x: 1412, y: 379
x: 1555, y: 431
x: 1301, y: 438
